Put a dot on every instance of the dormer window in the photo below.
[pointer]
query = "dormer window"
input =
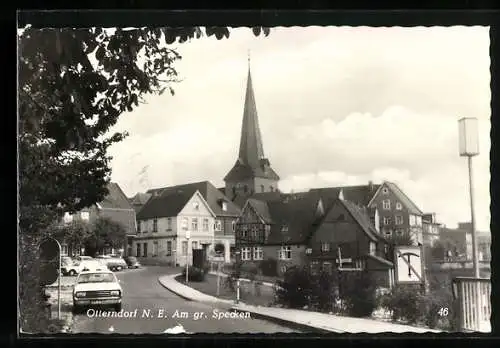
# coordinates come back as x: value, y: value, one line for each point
x: 224, y: 206
x: 284, y: 228
x: 385, y: 190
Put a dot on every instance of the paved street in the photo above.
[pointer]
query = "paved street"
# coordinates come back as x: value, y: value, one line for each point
x: 142, y: 292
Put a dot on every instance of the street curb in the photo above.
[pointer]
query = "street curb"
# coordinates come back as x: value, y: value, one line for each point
x: 288, y: 323
x: 175, y: 292
x: 284, y: 322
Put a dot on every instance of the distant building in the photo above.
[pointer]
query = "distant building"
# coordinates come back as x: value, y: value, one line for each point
x: 431, y: 229
x: 139, y: 200
x: 199, y: 208
x: 116, y: 207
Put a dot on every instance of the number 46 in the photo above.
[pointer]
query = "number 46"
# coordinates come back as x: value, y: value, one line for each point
x: 443, y: 311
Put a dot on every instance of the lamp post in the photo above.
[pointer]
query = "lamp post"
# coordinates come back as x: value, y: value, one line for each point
x: 238, y: 254
x: 469, y: 147
x: 188, y: 235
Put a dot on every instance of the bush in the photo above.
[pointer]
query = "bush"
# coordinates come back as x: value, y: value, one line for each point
x: 358, y: 292
x: 195, y: 274
x: 403, y: 302
x: 324, y: 291
x: 295, y: 290
x: 249, y: 270
x: 269, y: 267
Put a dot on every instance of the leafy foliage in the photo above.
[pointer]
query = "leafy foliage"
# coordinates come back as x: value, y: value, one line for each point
x: 295, y: 290
x: 73, y: 86
x: 358, y: 291
x: 105, y: 232
x: 195, y: 274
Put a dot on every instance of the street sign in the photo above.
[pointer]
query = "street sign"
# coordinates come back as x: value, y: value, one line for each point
x: 409, y: 265
x: 49, y: 261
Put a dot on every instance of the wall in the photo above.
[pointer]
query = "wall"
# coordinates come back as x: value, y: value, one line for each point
x: 257, y: 182
x: 162, y: 230
x: 253, y: 184
x: 298, y: 257
x: 336, y: 231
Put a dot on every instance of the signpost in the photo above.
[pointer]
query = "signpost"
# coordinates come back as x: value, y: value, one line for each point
x: 50, y: 266
x: 409, y: 265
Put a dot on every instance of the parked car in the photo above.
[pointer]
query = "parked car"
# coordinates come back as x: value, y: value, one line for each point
x: 112, y: 263
x: 132, y: 262
x: 95, y: 289
x: 72, y: 268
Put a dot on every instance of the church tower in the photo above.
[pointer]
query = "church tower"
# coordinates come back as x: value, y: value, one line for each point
x: 252, y: 172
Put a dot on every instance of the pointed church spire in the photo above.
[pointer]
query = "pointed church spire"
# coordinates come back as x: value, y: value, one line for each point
x: 251, y: 149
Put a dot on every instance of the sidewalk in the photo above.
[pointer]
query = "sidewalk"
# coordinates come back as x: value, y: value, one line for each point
x: 308, y: 320
x: 224, y: 275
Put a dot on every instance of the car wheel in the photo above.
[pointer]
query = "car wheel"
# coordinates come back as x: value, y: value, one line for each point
x: 72, y: 273
x: 118, y: 307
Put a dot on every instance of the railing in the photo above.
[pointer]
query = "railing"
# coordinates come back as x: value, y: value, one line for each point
x: 473, y: 303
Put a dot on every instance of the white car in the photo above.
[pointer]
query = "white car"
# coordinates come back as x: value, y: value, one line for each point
x: 73, y: 268
x: 97, y: 288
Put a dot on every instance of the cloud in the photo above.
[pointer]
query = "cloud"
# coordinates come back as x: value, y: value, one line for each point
x: 337, y: 106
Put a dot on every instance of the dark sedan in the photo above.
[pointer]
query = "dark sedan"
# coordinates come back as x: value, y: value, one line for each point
x: 132, y: 262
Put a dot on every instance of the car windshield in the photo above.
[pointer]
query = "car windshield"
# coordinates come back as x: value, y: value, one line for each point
x: 96, y: 278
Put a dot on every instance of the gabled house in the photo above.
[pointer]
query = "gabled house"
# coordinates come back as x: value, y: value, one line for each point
x: 346, y: 234
x: 226, y: 212
x: 116, y: 207
x: 163, y: 224
x: 277, y: 228
x: 398, y: 213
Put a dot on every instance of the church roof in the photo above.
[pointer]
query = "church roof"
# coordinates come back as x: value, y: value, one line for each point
x: 251, y: 160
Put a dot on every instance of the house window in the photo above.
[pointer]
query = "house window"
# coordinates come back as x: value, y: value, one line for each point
x: 399, y: 206
x: 314, y: 267
x: 245, y: 254
x: 399, y: 220
x: 388, y: 233
x: 258, y: 254
x: 412, y: 220
x: 155, y: 248
x: 255, y: 231
x: 145, y: 250
x: 245, y: 189
x: 327, y: 267
x: 418, y: 220
x: 155, y: 225
x: 285, y: 253
x: 399, y: 232
x: 341, y: 217
x: 139, y: 225
x: 218, y: 225
x: 138, y: 250
x: 85, y: 215
x: 194, y: 224
x: 284, y: 228
x: 385, y: 190
x: 325, y: 247
x: 387, y: 220
x: 205, y: 225
x: 68, y: 218
x: 244, y: 230
x: 271, y: 189
x: 233, y: 226
x: 261, y: 188
x: 169, y: 248
x: 373, y: 248
x: 386, y: 204
x: 359, y: 264
x: 196, y: 206
x: 184, y: 223
x: 169, y: 224
x: 194, y: 245
x: 224, y: 206
x: 184, y: 247
x: 64, y: 249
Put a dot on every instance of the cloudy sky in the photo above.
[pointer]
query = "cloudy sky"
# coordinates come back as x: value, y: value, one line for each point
x: 337, y: 106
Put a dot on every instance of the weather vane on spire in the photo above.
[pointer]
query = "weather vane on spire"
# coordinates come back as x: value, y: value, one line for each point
x: 249, y: 58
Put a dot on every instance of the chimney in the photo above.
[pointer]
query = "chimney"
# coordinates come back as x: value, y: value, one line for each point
x: 370, y: 185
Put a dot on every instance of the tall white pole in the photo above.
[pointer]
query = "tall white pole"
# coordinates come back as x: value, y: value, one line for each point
x: 59, y: 281
x: 475, y: 261
x: 187, y: 261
